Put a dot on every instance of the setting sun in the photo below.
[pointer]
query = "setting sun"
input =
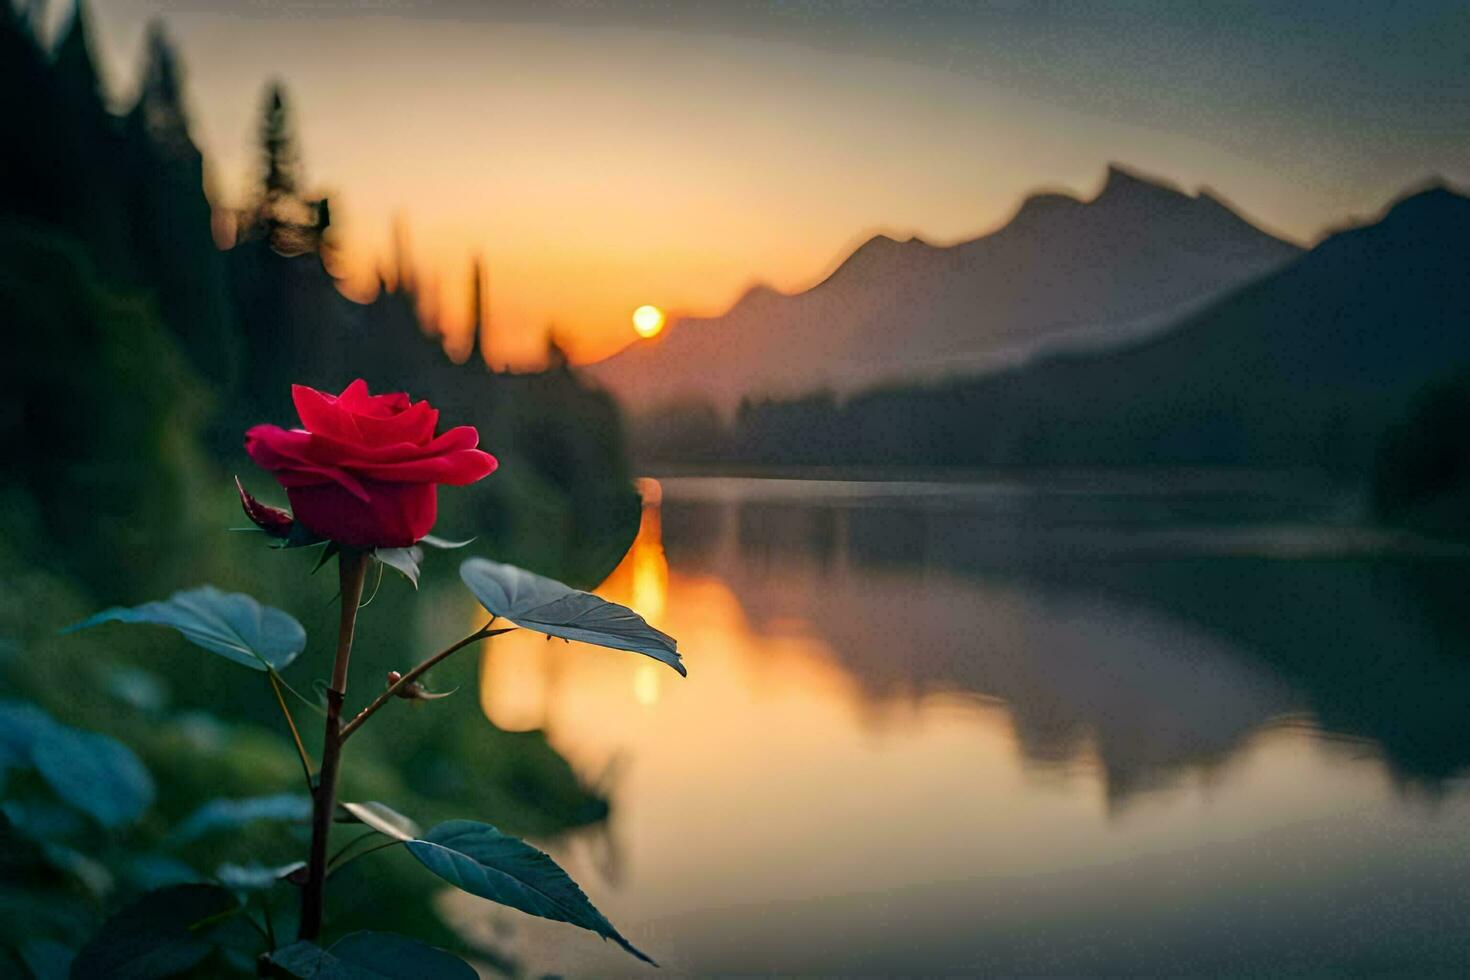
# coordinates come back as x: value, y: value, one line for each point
x: 648, y: 320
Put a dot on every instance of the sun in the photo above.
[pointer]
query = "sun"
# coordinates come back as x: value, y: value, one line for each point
x: 648, y: 321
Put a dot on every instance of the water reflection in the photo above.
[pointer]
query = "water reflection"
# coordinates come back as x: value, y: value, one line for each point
x: 944, y: 729
x: 1163, y: 628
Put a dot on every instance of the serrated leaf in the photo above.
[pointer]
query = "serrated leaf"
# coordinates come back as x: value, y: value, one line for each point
x: 371, y: 956
x: 231, y: 624
x: 94, y: 773
x: 405, y: 561
x: 547, y: 606
x: 227, y: 814
x: 159, y: 935
x: 479, y: 859
x: 384, y: 819
x: 254, y: 877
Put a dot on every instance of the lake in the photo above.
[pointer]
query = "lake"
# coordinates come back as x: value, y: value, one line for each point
x: 1159, y: 724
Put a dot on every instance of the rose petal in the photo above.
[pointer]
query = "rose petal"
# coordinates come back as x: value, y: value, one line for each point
x: 358, y: 419
x: 335, y: 452
x: 287, y: 456
x: 355, y: 397
x: 324, y: 415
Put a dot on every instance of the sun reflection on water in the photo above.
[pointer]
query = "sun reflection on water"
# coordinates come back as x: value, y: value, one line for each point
x: 880, y: 748
x: 576, y: 693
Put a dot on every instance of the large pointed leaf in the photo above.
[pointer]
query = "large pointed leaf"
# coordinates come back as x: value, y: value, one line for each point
x: 94, y: 773
x: 481, y: 860
x: 160, y: 935
x: 371, y: 956
x: 230, y: 624
x: 545, y: 605
x: 384, y: 819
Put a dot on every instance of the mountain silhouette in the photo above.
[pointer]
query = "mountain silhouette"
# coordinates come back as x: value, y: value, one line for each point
x: 1305, y: 367
x: 1062, y: 272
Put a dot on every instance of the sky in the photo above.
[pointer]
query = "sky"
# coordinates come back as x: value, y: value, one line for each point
x: 605, y: 155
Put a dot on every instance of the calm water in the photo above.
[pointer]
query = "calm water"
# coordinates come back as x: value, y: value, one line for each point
x: 1151, y: 726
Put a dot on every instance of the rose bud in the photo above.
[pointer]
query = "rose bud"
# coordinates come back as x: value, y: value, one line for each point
x: 272, y: 520
x: 364, y: 470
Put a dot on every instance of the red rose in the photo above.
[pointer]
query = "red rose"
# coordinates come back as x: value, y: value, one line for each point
x: 364, y: 470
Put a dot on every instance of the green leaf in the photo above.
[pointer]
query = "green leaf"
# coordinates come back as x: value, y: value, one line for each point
x: 254, y: 877
x: 225, y: 814
x: 159, y: 935
x: 372, y: 956
x: 21, y: 724
x: 230, y: 624
x: 479, y: 859
x: 149, y: 871
x: 405, y: 561
x: 94, y: 773
x: 384, y: 819
x: 545, y: 605
x: 137, y: 688
x: 92, y: 873
x: 43, y: 819
x: 47, y: 960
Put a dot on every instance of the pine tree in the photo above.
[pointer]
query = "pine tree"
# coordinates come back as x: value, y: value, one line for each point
x: 477, y: 310
x: 159, y: 111
x: 278, y: 141
x: 291, y: 223
x: 76, y: 69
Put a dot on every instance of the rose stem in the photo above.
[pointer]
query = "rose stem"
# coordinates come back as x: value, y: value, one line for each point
x: 352, y: 568
x: 482, y: 633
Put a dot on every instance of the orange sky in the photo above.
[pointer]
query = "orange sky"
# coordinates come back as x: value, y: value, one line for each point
x: 601, y: 163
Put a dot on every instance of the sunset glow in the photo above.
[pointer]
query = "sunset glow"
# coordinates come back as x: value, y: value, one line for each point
x: 773, y: 180
x: 648, y: 321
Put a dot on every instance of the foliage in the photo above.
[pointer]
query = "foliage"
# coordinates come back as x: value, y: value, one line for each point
x: 370, y: 956
x: 162, y: 934
x: 545, y: 605
x: 232, y: 625
x: 174, y: 928
x: 86, y: 770
x: 136, y: 342
x: 482, y: 861
x: 99, y: 412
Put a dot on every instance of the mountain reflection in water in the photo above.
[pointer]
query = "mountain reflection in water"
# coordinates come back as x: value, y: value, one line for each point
x: 963, y: 727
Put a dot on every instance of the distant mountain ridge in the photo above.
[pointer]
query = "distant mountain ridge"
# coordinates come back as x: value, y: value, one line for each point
x: 1306, y: 367
x: 1062, y: 271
